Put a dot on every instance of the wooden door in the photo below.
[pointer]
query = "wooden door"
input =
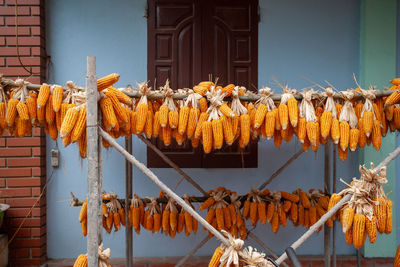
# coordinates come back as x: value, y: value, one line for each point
x: 187, y: 41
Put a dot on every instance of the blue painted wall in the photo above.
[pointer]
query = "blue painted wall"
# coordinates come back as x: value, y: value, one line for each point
x: 314, y: 38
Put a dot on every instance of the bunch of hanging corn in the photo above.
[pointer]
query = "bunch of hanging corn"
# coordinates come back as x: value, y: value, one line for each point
x: 369, y: 211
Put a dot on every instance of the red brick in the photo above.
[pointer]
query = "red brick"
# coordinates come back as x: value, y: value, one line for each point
x: 36, y: 191
x: 24, y: 41
x: 24, y: 2
x: 23, y: 232
x: 10, y: 21
x: 35, y: 10
x: 24, y: 141
x: 23, y: 182
x: 2, y: 182
x: 2, y: 62
x: 37, y: 252
x: 38, y: 51
x: 2, y: 162
x: 38, y: 171
x: 27, y: 61
x: 14, y: 71
x: 35, y: 80
x: 17, y: 212
x: 2, y: 39
x: 16, y: 192
x: 19, y: 253
x: 7, y: 10
x: 15, y: 172
x: 21, y: 202
x: 25, y: 162
x: 15, y: 152
x: 1, y: 2
x: 25, y: 262
x: 11, y: 31
x: 12, y: 51
x: 384, y: 263
x: 38, y: 212
x: 2, y: 142
x: 37, y: 131
x: 36, y: 232
x: 36, y: 30
x: 27, y: 222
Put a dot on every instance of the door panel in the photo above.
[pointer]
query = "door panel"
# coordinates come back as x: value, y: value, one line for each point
x: 187, y: 41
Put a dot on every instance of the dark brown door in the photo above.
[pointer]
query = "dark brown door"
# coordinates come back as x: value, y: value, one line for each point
x: 187, y: 41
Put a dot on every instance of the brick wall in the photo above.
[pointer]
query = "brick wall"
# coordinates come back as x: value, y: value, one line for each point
x: 23, y: 160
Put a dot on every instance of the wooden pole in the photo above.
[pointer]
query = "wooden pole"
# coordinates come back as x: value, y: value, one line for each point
x: 267, y: 249
x: 146, y: 171
x: 128, y: 196
x: 327, y: 183
x: 94, y: 198
x: 334, y: 222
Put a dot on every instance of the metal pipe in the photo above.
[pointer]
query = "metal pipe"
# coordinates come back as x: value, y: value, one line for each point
x: 94, y: 198
x: 128, y: 196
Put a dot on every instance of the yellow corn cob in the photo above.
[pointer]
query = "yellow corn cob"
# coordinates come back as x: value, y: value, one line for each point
x: 198, y: 132
x: 370, y: 226
x: 362, y: 140
x: 50, y: 114
x: 396, y: 261
x: 394, y: 98
x: 342, y: 153
x: 148, y: 129
x: 109, y: 117
x: 183, y: 119
x: 203, y: 104
x: 69, y: 121
x: 396, y: 117
x: 389, y: 112
x: 368, y: 122
x: 192, y: 121
x: 335, y: 131
x: 218, y: 135
x: 43, y: 96
x: 57, y: 98
x: 214, y: 262
x: 118, y: 109
x: 260, y: 115
x: 201, y: 89
x: 31, y: 104
x: 349, y: 236
x: 228, y: 89
x: 22, y: 110
x: 283, y: 115
x: 3, y: 123
x: 277, y: 138
x: 141, y: 115
x: 81, y: 261
x: 270, y: 123
x: 156, y: 124
x: 326, y: 123
x: 354, y: 139
x: 358, y: 109
x: 226, y: 110
x: 227, y: 129
x: 338, y: 109
x: 123, y: 98
x: 312, y: 132
x: 376, y: 135
x: 389, y: 217
x: 207, y: 136
x: 80, y: 125
x: 358, y: 230
x: 167, y: 135
x: 245, y: 129
x: 305, y: 201
x: 334, y: 199
x: 275, y: 222
x: 11, y: 113
x: 278, y: 126
x: 318, y: 113
x: 301, y: 129
x: 293, y: 110
x: 344, y: 135
x: 173, y: 119
x: 347, y: 218
x: 107, y: 81
x: 164, y: 115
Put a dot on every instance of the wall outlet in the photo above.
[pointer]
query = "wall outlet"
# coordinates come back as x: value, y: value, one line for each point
x: 55, y: 158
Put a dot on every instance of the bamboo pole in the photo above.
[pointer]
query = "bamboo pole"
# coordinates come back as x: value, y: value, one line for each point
x: 248, y: 98
x: 128, y: 196
x: 94, y: 198
x: 270, y: 251
x: 146, y: 171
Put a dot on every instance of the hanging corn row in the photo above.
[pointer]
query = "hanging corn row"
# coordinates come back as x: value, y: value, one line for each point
x: 204, y: 116
x: 225, y: 211
x: 368, y: 212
